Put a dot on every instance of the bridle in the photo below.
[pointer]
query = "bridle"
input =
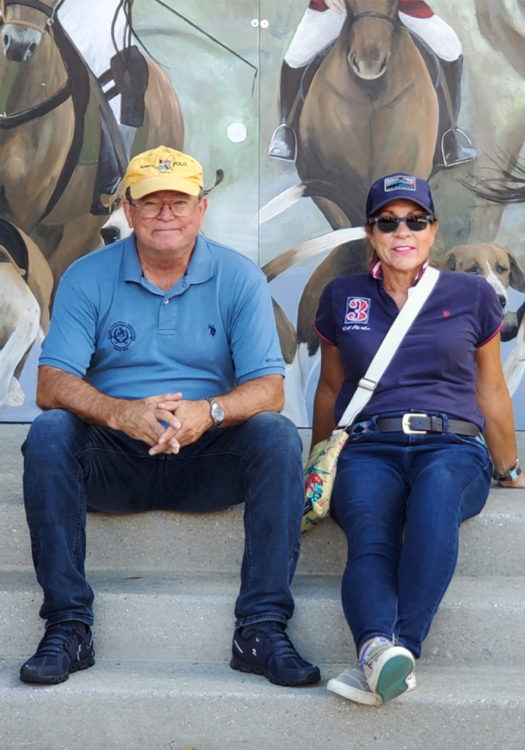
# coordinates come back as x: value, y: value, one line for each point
x: 63, y: 93
x: 373, y: 14
x: 35, y: 5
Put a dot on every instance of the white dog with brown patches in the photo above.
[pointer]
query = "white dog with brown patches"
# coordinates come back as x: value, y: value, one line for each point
x: 502, y: 270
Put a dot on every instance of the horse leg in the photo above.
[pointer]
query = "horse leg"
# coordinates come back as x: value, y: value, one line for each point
x: 68, y: 242
x: 20, y: 316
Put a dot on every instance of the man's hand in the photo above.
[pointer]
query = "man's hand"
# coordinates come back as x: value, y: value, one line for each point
x: 193, y: 419
x: 142, y: 419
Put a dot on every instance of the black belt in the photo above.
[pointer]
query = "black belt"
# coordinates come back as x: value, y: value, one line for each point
x: 422, y: 423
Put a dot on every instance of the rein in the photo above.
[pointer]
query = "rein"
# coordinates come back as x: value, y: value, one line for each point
x: 56, y: 99
x: 374, y: 14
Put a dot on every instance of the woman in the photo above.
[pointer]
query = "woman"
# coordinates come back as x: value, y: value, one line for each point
x: 416, y: 462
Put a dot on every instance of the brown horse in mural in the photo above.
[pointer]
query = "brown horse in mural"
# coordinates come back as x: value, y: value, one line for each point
x: 371, y: 110
x: 61, y: 148
x: 56, y: 125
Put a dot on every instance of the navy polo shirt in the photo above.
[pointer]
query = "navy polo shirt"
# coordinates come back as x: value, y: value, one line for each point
x: 213, y: 329
x: 434, y: 369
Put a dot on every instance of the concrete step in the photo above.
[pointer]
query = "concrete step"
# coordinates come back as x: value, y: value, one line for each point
x: 171, y: 706
x: 491, y: 544
x: 190, y: 618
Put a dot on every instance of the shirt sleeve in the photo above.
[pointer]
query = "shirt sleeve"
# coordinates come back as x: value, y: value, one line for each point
x: 254, y: 341
x: 490, y: 313
x: 70, y: 342
x: 324, y: 324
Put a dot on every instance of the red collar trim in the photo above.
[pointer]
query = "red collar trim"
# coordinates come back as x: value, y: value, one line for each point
x: 377, y: 271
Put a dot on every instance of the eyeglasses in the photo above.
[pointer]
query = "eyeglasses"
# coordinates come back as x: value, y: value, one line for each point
x: 415, y: 223
x: 151, y: 208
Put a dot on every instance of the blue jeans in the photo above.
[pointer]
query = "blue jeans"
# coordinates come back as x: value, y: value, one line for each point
x: 400, y: 500
x: 71, y: 467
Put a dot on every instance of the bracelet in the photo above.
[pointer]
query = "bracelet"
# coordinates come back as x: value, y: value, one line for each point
x: 512, y: 473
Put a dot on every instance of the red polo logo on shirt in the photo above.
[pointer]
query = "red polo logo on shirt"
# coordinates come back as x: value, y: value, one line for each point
x: 357, y: 310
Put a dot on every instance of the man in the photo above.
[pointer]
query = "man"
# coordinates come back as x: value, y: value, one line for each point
x: 319, y: 28
x: 162, y: 349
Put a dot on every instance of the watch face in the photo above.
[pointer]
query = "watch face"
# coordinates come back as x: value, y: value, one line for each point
x: 217, y: 412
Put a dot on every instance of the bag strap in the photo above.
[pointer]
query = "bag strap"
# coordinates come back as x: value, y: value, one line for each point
x: 389, y: 346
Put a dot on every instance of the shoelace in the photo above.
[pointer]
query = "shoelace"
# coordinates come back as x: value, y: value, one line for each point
x: 282, y: 645
x: 54, y: 641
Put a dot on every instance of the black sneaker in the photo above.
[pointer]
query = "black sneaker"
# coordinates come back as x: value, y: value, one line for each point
x: 269, y: 651
x: 63, y: 649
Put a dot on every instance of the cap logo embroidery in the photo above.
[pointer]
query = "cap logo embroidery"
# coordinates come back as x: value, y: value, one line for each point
x: 400, y: 182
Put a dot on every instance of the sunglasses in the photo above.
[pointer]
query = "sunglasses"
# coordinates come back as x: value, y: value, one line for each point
x: 415, y: 223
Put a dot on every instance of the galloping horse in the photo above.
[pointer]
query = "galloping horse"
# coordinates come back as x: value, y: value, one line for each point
x: 63, y: 151
x: 371, y: 110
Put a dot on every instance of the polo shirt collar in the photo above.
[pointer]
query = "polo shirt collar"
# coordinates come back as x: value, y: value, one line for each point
x: 199, y: 270
x: 376, y: 270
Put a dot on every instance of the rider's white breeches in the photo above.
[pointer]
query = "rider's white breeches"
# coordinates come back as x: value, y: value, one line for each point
x: 440, y: 37
x: 318, y: 29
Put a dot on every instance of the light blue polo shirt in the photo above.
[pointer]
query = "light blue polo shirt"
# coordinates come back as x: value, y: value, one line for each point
x: 214, y: 329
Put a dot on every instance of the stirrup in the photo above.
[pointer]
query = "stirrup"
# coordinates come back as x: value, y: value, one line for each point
x: 283, y: 144
x: 469, y: 151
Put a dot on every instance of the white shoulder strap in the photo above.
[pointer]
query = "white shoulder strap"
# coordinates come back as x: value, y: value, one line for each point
x: 389, y: 346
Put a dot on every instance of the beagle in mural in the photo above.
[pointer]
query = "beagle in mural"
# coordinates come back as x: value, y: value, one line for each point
x: 502, y: 270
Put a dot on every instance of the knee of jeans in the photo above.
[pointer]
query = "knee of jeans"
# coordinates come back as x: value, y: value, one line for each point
x: 52, y: 430
x: 271, y: 430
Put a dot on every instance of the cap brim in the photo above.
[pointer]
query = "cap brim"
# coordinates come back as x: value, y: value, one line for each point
x: 392, y: 198
x: 166, y: 182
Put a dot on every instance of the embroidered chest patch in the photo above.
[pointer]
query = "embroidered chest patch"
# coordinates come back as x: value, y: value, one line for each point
x: 357, y: 314
x: 121, y: 335
x: 357, y: 310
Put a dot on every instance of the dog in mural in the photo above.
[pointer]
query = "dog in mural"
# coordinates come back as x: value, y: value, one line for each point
x: 69, y: 129
x: 502, y: 270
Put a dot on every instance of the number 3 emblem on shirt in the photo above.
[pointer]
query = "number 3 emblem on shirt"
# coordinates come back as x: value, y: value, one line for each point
x: 357, y: 310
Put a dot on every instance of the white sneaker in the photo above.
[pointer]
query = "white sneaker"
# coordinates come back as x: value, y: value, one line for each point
x: 386, y: 668
x: 352, y: 684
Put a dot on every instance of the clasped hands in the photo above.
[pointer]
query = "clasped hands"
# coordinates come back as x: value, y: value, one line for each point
x: 166, y: 423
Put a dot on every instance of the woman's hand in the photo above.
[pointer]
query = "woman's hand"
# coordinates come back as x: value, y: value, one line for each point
x: 516, y: 484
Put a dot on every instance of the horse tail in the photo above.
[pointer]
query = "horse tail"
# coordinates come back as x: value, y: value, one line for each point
x: 313, y: 188
x: 505, y: 187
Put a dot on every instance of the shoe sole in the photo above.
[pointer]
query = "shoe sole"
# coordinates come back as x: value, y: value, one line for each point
x: 392, y: 678
x: 31, y: 674
x: 242, y: 666
x: 353, y: 694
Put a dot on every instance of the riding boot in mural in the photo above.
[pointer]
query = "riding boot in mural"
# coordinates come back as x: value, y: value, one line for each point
x: 454, y: 146
x: 284, y: 140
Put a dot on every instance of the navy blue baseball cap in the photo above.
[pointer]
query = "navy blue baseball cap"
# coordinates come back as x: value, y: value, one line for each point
x: 396, y: 186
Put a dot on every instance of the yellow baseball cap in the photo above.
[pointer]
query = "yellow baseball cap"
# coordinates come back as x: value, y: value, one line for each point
x: 163, y: 168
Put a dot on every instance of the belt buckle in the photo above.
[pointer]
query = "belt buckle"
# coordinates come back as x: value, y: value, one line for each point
x: 405, y: 422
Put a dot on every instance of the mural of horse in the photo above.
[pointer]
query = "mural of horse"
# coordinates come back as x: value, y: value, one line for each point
x: 371, y: 109
x: 63, y: 147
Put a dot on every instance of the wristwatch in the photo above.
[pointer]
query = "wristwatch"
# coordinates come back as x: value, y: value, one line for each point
x: 217, y: 413
x: 512, y: 473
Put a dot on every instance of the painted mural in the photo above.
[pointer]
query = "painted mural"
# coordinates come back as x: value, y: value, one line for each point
x: 293, y: 108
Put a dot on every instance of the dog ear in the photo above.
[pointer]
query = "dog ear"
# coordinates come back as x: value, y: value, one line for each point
x: 517, y: 273
x: 448, y: 263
